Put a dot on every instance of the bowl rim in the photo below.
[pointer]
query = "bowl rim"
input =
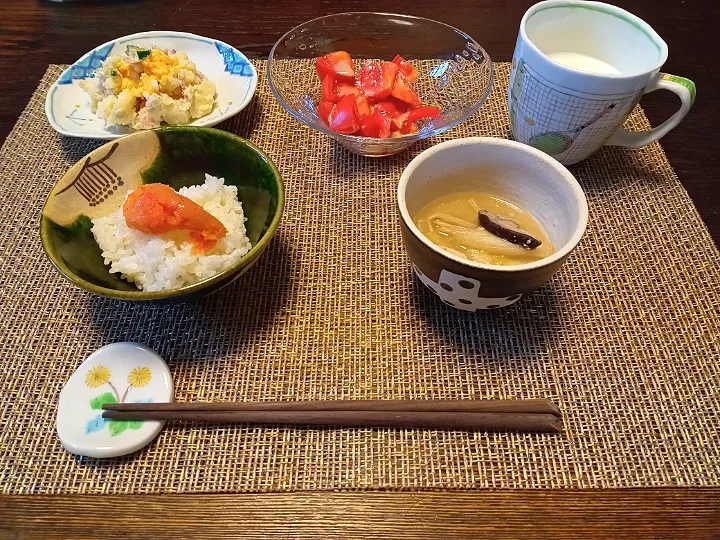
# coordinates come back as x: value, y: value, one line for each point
x: 562, y: 173
x: 245, y: 261
x: 406, y: 138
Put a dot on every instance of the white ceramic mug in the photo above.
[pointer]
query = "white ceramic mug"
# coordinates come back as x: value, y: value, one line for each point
x: 578, y: 71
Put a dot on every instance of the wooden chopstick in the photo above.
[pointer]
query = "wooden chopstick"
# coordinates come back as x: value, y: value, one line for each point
x: 428, y: 414
x: 393, y: 419
x: 532, y: 406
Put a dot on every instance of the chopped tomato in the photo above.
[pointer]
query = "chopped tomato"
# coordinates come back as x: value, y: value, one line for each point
x: 370, y: 77
x: 338, y: 65
x: 328, y: 89
x: 389, y: 71
x: 392, y: 106
x: 378, y: 101
x: 405, y: 92
x: 342, y: 90
x: 388, y: 108
x: 406, y: 68
x: 377, y: 79
x: 424, y: 111
x: 344, y: 118
x: 375, y: 125
x: 399, y: 120
x: 324, y: 108
x: 363, y: 106
x: 409, y: 128
x: 333, y: 90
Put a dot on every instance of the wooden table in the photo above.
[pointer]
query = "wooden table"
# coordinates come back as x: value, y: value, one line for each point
x: 35, y: 33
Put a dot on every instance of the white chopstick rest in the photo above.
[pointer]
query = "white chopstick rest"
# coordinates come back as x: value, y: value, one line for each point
x: 116, y: 373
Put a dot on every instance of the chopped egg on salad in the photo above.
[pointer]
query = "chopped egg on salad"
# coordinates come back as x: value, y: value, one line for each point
x: 149, y: 86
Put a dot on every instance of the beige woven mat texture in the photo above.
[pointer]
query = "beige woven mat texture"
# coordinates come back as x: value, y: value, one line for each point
x: 625, y: 338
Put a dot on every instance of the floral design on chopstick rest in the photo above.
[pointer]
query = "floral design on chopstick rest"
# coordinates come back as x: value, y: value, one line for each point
x: 86, y: 66
x: 463, y: 292
x: 116, y: 373
x: 99, y: 375
x: 234, y: 62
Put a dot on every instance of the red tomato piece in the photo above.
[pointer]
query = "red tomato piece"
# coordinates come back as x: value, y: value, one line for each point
x: 387, y: 108
x: 389, y: 72
x: 409, y: 129
x: 424, y: 111
x: 375, y: 125
x: 324, y: 109
x: 363, y: 106
x: 406, y: 68
x: 370, y: 78
x: 342, y: 90
x: 392, y: 106
x: 377, y: 79
x: 399, y: 120
x: 329, y: 92
x: 344, y: 118
x: 338, y: 65
x: 332, y: 90
x: 405, y: 92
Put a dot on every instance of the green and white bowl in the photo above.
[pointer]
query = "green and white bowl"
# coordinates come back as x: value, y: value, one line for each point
x: 178, y: 156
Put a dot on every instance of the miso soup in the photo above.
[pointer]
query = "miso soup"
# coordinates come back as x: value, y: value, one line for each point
x: 509, y: 235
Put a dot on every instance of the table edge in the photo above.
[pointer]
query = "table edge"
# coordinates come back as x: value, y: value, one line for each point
x: 616, y: 513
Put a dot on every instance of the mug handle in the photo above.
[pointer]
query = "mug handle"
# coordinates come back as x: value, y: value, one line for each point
x: 681, y: 86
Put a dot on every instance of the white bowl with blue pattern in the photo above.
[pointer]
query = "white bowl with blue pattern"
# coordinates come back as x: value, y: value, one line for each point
x: 67, y: 106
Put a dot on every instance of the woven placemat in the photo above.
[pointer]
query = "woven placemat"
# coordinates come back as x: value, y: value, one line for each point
x: 625, y: 338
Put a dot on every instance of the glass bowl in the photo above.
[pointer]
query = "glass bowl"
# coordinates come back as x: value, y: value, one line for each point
x: 456, y: 73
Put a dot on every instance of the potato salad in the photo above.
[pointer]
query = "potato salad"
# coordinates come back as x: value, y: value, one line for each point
x: 147, y: 87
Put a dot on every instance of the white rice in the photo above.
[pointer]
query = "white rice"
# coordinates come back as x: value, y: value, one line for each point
x: 156, y: 263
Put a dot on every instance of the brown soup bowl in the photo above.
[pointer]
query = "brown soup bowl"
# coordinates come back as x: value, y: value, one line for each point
x: 509, y: 170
